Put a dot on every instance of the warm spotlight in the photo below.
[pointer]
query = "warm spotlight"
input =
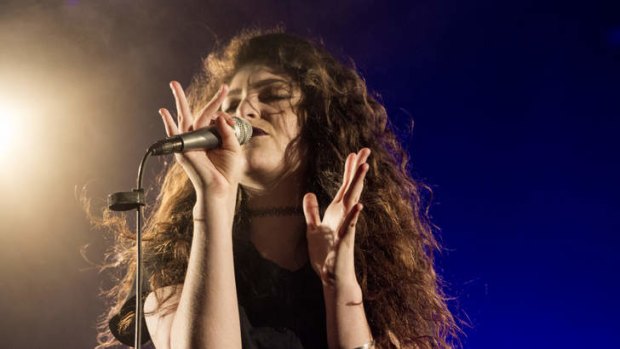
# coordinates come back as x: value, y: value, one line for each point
x: 9, y: 128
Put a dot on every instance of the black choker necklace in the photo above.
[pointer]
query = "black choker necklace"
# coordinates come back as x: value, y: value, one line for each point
x: 276, y: 211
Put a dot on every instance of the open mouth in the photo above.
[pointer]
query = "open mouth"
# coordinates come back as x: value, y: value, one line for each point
x: 258, y: 132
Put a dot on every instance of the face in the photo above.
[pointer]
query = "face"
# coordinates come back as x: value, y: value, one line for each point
x: 267, y: 101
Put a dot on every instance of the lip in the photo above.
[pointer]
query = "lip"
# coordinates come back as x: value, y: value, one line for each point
x: 256, y: 131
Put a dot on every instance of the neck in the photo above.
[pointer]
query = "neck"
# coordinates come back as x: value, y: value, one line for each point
x: 278, y: 237
x: 287, y: 192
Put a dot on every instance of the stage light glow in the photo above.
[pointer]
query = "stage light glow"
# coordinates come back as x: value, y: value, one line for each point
x: 9, y: 128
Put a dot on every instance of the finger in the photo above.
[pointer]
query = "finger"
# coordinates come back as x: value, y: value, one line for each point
x: 227, y: 133
x: 352, y: 169
x: 363, y: 155
x: 228, y: 118
x: 348, y: 167
x: 184, y: 113
x: 352, y: 196
x: 169, y: 124
x: 209, y: 111
x: 347, y: 230
x: 311, y: 211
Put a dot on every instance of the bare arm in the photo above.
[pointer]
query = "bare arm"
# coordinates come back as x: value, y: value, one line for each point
x: 331, y: 246
x: 347, y: 326
x: 206, y: 314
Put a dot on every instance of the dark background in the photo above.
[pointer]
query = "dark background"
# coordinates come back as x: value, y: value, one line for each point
x: 516, y: 116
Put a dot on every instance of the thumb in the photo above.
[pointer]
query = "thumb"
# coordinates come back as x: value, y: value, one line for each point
x: 311, y: 211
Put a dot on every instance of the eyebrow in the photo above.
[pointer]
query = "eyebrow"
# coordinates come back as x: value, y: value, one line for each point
x: 257, y: 85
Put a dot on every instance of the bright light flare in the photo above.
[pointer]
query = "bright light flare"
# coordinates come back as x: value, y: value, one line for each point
x: 21, y: 159
x: 9, y: 128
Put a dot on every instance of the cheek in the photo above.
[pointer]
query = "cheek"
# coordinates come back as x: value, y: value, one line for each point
x: 292, y: 131
x: 292, y: 125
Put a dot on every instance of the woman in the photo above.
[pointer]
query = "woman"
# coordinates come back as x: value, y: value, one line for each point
x: 311, y: 235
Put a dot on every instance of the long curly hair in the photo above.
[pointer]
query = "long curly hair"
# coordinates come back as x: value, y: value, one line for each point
x: 395, y: 246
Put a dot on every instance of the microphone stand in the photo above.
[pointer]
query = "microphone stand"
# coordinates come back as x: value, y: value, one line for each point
x: 125, y: 201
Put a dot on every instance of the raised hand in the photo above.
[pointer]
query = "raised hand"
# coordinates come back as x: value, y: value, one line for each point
x: 216, y: 170
x: 331, y: 240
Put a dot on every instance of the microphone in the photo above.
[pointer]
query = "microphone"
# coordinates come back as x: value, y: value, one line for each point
x: 204, y: 138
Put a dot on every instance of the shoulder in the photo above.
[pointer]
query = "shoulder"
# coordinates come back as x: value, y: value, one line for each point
x: 161, y: 298
x: 160, y: 307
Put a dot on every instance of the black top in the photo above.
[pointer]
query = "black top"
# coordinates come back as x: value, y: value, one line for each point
x: 278, y: 308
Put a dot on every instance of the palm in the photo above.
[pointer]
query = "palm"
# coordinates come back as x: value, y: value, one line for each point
x: 331, y: 239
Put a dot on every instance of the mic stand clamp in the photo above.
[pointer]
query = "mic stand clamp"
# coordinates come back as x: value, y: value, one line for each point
x: 125, y: 201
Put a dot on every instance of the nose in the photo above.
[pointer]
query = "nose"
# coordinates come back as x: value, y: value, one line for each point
x: 248, y: 108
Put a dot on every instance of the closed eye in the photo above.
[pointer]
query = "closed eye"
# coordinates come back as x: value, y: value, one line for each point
x: 274, y: 98
x: 274, y: 93
x: 271, y: 93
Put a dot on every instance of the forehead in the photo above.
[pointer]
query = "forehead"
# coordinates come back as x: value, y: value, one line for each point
x: 254, y: 76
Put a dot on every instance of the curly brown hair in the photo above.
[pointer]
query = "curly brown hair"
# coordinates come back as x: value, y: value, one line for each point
x: 395, y: 245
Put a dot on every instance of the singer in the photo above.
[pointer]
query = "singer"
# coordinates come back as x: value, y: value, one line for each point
x: 310, y: 235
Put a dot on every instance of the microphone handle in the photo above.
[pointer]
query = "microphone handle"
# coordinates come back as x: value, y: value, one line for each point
x: 205, y: 138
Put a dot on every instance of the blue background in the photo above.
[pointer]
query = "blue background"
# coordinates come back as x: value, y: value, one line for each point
x: 517, y: 114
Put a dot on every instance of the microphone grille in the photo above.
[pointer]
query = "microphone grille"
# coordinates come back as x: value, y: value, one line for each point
x: 243, y: 130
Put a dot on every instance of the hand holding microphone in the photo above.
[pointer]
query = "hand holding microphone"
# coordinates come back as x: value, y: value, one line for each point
x: 209, y: 154
x: 204, y: 138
